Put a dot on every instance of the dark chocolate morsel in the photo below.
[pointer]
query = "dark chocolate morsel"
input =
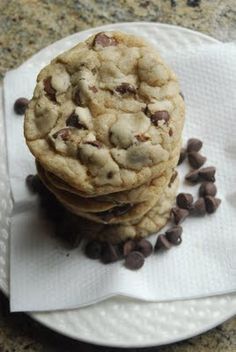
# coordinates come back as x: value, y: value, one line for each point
x: 93, y: 250
x: 162, y: 243
x: 184, y: 200
x: 109, y: 253
x: 196, y: 160
x: 160, y: 116
x: 194, y: 145
x: 207, y: 189
x: 145, y: 247
x: 212, y: 204
x: 134, y: 260
x: 182, y: 156
x: 20, y: 106
x: 179, y: 214
x: 174, y: 235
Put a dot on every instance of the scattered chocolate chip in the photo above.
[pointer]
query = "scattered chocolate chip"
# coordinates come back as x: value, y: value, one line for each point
x: 116, y: 211
x: 20, y: 106
x: 134, y: 260
x: 77, y: 98
x: 50, y: 91
x: 174, y: 235
x: 93, y: 250
x: 196, y: 160
x: 125, y: 88
x: 162, y: 243
x: 199, y: 207
x: 73, y: 121
x: 207, y: 173
x: 194, y: 145
x: 64, y: 134
x: 109, y: 253
x: 34, y: 183
x: 96, y: 144
x: 207, y: 189
x: 173, y: 177
x: 179, y: 214
x: 193, y: 176
x: 93, y: 89
x: 182, y: 156
x: 212, y: 204
x: 184, y: 200
x: 142, y: 137
x: 181, y: 94
x: 129, y: 246
x: 145, y: 247
x: 193, y: 3
x: 160, y: 116
x: 103, y: 40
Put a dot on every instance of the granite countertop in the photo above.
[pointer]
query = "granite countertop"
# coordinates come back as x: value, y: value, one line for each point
x: 26, y: 26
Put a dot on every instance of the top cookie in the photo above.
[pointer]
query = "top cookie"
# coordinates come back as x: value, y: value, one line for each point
x: 105, y: 115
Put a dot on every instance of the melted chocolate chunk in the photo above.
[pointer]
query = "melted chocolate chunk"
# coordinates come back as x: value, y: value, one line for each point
x: 73, y: 121
x: 160, y: 116
x: 125, y: 88
x: 103, y: 40
x: 50, y: 91
x: 114, y: 212
x: 64, y: 134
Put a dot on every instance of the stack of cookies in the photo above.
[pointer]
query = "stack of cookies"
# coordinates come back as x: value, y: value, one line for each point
x: 105, y: 126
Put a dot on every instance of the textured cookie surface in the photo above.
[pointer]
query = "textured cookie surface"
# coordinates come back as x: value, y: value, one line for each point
x: 150, y: 223
x: 106, y: 115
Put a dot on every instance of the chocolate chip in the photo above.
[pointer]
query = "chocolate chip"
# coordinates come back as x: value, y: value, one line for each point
x: 194, y: 145
x: 207, y: 189
x: 96, y: 144
x: 174, y: 235
x: 134, y: 260
x: 193, y: 176
x: 162, y: 243
x: 20, y: 106
x: 179, y: 214
x: 73, y: 121
x: 184, y: 200
x: 212, y: 204
x: 145, y: 247
x: 142, y: 137
x: 64, y: 134
x: 182, y: 156
x: 34, y: 183
x: 129, y: 246
x: 125, y: 88
x: 77, y: 98
x: 110, y: 174
x: 173, y: 177
x: 160, y: 116
x: 193, y: 3
x: 196, y: 160
x: 103, y: 40
x: 93, y: 89
x: 207, y: 173
x: 116, y: 211
x: 109, y: 253
x: 50, y: 91
x: 93, y: 250
x: 170, y: 132
x: 199, y: 207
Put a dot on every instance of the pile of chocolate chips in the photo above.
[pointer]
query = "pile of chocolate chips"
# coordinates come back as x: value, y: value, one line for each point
x: 69, y: 228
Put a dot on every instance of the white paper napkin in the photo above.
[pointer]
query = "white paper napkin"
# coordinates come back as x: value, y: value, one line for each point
x: 44, y: 276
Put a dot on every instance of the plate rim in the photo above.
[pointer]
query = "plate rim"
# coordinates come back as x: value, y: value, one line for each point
x: 40, y: 316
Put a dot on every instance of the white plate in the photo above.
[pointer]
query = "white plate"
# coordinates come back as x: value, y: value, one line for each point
x: 121, y: 322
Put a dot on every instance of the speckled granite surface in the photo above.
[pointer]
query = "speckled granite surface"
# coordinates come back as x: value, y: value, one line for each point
x: 29, y: 25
